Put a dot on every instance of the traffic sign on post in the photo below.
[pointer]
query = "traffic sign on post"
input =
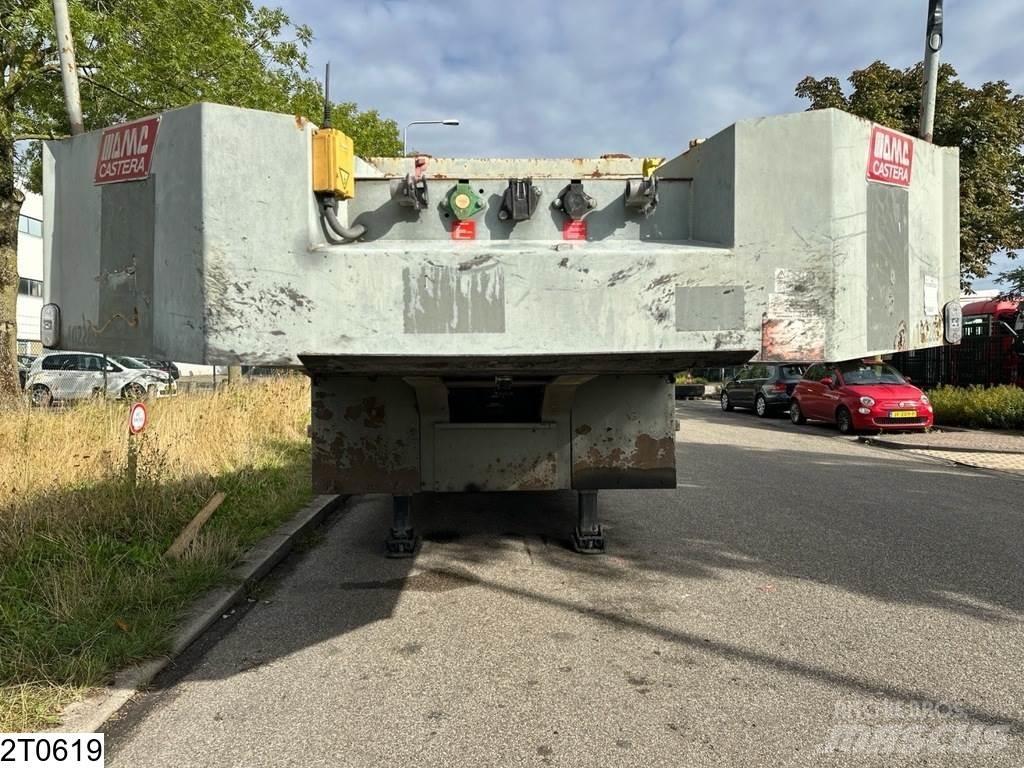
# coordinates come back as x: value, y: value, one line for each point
x: 138, y: 418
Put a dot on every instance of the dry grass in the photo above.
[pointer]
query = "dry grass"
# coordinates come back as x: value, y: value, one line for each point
x: 84, y: 587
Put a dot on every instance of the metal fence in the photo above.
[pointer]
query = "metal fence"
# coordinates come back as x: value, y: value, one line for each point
x: 978, y: 361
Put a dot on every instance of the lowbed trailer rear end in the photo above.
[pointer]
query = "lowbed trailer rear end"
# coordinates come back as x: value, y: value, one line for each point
x: 496, y: 324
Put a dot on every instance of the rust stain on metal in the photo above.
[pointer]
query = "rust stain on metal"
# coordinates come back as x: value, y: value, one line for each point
x: 361, y: 466
x: 648, y: 453
x: 650, y: 464
x: 929, y: 331
x: 131, y: 322
x: 371, y: 410
x: 321, y: 411
x: 900, y: 342
x: 359, y: 470
x: 528, y: 474
x: 790, y: 338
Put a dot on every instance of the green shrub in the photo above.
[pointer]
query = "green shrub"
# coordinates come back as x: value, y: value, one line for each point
x: 686, y: 378
x: 995, y: 407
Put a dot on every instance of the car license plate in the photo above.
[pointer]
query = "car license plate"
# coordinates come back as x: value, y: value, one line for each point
x: 902, y: 414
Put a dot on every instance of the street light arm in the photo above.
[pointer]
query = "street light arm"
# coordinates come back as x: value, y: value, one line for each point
x: 405, y: 133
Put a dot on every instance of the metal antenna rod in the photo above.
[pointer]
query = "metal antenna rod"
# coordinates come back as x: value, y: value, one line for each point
x: 327, y: 96
x: 932, y: 46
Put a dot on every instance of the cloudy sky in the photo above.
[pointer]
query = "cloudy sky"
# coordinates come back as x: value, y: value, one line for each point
x: 579, y: 77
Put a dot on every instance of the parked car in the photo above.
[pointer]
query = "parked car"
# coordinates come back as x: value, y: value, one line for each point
x: 859, y: 395
x: 166, y: 366
x: 24, y: 365
x: 67, y: 376
x: 263, y: 370
x: 763, y: 387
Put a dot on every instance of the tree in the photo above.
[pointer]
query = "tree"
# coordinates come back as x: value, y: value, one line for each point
x: 986, y: 123
x: 1013, y: 279
x: 138, y: 57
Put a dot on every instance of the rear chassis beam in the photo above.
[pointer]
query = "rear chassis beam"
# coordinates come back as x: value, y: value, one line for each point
x: 531, y: 431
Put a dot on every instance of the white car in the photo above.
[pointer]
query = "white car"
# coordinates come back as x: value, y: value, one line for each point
x: 66, y: 376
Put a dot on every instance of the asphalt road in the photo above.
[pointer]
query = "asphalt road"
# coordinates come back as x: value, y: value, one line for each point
x: 800, y: 599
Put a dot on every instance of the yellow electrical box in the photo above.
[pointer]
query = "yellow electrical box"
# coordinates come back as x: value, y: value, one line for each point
x: 334, y: 163
x: 650, y: 165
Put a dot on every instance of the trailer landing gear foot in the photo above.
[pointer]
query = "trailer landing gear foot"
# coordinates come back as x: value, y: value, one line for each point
x: 589, y: 543
x: 588, y: 538
x: 402, y: 543
x: 402, y: 540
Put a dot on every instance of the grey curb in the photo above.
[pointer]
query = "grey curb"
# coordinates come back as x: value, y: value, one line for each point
x: 89, y: 715
x: 881, y: 442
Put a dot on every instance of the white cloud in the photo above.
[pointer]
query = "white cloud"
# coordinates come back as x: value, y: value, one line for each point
x: 579, y: 77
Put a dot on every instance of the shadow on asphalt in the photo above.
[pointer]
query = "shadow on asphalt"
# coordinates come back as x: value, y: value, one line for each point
x: 728, y: 651
x: 901, y: 532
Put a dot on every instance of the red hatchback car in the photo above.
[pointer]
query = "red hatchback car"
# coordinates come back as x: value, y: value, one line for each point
x: 860, y: 394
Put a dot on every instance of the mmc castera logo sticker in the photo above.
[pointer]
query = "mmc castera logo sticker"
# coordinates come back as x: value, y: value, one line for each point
x: 890, y: 157
x: 126, y: 151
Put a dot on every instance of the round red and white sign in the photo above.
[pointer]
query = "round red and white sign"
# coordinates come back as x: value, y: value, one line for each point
x: 138, y: 418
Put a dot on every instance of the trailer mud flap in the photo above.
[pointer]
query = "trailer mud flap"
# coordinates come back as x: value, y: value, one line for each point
x: 623, y: 435
x: 365, y: 435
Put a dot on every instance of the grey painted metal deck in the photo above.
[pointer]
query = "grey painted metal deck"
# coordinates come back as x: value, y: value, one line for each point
x: 768, y: 239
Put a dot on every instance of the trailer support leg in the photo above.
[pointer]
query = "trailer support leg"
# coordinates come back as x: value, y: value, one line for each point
x: 588, y: 538
x: 402, y: 541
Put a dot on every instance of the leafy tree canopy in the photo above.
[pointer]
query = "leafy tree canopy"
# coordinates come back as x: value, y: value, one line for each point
x: 1012, y: 281
x: 986, y: 123
x: 138, y: 57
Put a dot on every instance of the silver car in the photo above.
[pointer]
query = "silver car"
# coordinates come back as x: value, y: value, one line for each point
x: 68, y: 376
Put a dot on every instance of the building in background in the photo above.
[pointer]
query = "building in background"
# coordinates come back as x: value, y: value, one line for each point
x: 30, y: 274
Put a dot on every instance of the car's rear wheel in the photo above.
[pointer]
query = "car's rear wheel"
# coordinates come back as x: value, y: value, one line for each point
x: 844, y: 421
x: 726, y: 402
x: 133, y: 392
x: 761, y: 406
x: 795, y: 414
x: 41, y: 396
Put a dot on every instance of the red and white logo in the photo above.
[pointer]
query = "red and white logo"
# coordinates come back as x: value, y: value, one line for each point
x: 890, y: 156
x: 126, y: 151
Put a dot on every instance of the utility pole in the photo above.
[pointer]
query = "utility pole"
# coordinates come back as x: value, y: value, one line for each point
x: 932, y: 46
x: 68, y: 67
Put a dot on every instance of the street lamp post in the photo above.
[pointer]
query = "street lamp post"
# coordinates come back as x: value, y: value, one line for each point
x: 405, y: 138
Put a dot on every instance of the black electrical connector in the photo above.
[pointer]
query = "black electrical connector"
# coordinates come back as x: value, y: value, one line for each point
x: 574, y: 201
x: 519, y: 201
